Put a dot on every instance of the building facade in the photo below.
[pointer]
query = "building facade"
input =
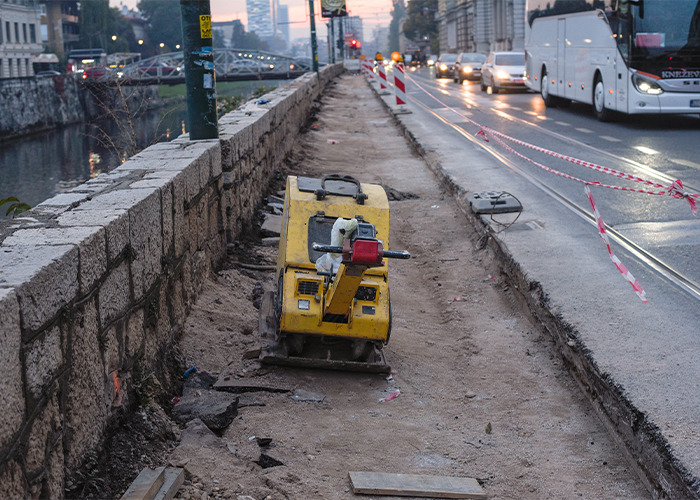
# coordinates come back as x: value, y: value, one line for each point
x: 262, y: 17
x: 20, y: 39
x: 60, y: 20
x: 481, y: 25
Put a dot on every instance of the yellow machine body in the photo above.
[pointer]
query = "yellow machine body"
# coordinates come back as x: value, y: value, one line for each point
x: 302, y: 306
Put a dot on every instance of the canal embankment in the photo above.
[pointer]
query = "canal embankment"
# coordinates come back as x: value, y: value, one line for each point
x: 36, y: 104
x: 96, y: 282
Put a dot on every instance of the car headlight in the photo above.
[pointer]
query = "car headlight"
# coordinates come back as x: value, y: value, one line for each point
x: 502, y: 75
x: 443, y: 67
x: 467, y: 69
x: 646, y: 84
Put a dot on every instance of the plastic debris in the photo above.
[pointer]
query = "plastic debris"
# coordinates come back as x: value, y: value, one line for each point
x: 391, y: 396
x: 175, y: 400
x: 389, y: 378
x: 190, y: 371
x: 262, y: 101
x: 459, y: 299
x: 332, y: 141
x: 251, y: 438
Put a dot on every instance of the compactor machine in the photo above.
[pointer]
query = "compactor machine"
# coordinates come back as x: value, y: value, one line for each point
x: 331, y: 308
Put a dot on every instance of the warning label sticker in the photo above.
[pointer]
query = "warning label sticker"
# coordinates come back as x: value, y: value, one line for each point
x: 205, y: 26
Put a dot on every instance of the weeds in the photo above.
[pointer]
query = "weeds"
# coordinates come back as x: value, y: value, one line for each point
x: 16, y: 207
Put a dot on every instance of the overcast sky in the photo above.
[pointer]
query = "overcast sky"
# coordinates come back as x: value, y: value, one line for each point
x: 372, y: 12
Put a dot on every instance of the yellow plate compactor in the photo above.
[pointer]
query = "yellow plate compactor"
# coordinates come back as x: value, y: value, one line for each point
x: 331, y: 308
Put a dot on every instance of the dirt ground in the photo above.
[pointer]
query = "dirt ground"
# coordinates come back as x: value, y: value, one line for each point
x: 481, y: 394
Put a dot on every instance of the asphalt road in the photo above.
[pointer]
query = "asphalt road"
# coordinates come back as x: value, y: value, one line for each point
x: 646, y: 354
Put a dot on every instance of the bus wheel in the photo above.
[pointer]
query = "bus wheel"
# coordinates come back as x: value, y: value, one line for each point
x: 601, y: 112
x: 550, y: 101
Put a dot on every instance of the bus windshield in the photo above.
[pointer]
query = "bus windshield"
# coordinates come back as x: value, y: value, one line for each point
x: 667, y: 25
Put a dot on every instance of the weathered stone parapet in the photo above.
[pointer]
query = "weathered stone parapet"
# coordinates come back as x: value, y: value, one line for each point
x: 96, y: 283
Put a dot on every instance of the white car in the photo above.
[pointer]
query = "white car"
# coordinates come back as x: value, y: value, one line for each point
x: 503, y: 70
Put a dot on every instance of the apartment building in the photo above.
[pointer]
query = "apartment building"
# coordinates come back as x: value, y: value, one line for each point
x: 20, y: 39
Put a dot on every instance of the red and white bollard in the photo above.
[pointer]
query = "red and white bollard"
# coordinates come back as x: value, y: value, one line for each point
x: 383, y: 88
x: 400, y: 88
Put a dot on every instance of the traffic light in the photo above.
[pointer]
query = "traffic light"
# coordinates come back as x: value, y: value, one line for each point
x: 354, y: 44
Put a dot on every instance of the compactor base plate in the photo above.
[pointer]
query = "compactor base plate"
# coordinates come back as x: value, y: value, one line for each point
x: 315, y: 353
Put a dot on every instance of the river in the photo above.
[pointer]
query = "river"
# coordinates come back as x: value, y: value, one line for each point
x: 36, y: 167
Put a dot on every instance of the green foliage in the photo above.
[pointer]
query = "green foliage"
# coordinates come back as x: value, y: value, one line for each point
x: 144, y: 384
x: 421, y: 21
x: 165, y: 25
x: 99, y: 22
x: 397, y: 13
x: 85, y: 480
x: 16, y: 207
x: 261, y: 91
x: 226, y: 104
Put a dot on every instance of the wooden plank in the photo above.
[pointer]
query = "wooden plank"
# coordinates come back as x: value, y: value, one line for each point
x: 174, y: 477
x: 415, y: 485
x: 146, y: 484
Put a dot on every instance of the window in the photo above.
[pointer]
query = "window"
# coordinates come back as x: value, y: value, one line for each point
x: 32, y: 33
x: 24, y: 31
x: 1, y: 41
x: 7, y: 31
x: 16, y: 32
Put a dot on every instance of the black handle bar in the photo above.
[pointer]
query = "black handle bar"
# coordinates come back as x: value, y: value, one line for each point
x: 390, y: 254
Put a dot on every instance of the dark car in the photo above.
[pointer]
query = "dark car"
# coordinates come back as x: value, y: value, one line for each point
x: 468, y: 66
x: 445, y: 66
x: 94, y: 73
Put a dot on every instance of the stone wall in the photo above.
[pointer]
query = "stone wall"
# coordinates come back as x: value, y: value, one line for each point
x: 40, y: 103
x: 95, y: 284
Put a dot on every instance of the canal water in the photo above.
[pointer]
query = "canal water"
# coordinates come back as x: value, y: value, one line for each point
x: 34, y: 168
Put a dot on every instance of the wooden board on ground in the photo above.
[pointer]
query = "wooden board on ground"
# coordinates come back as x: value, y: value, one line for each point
x: 415, y: 485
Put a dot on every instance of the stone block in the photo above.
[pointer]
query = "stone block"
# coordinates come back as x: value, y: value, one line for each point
x: 134, y: 333
x: 11, y: 394
x: 12, y: 481
x: 42, y: 436
x: 65, y: 200
x: 166, y: 196
x: 33, y: 271
x: 44, y: 360
x: 86, y: 408
x: 112, y: 342
x: 145, y: 227
x: 90, y: 241
x: 179, y: 228
x: 115, y: 294
x: 115, y: 223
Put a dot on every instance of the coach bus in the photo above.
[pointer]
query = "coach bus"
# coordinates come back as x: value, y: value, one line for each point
x: 629, y: 56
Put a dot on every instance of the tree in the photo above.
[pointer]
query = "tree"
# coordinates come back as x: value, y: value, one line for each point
x: 164, y: 25
x: 397, y: 14
x: 99, y: 24
x: 421, y: 26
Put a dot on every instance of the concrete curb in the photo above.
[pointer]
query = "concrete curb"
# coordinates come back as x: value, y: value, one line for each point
x: 642, y: 441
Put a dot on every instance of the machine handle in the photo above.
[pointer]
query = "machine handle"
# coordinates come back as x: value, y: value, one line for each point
x: 359, y: 196
x: 391, y: 254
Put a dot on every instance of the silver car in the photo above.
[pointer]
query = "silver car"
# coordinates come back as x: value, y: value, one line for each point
x: 503, y: 70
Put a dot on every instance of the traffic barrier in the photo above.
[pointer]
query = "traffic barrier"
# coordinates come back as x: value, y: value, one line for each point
x: 675, y: 189
x: 400, y: 88
x: 383, y: 89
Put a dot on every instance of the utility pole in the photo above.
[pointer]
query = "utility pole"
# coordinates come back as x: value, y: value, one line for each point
x: 200, y: 80
x: 331, y: 38
x: 314, y: 48
x: 341, y: 40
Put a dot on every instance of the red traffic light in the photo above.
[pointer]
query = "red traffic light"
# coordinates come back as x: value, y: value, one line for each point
x: 355, y: 44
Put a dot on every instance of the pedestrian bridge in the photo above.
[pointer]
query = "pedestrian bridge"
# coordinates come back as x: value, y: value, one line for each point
x: 229, y: 64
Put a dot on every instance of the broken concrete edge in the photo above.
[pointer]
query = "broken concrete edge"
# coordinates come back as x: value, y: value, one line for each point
x: 642, y: 442
x: 146, y: 484
x: 174, y: 478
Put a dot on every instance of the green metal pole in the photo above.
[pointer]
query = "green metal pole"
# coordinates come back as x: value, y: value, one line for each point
x: 331, y: 40
x: 341, y: 40
x: 314, y: 47
x: 200, y: 79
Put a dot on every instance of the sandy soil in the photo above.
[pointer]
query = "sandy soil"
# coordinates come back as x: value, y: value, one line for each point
x: 481, y: 394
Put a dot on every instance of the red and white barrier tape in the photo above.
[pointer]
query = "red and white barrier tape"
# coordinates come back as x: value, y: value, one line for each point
x: 675, y: 190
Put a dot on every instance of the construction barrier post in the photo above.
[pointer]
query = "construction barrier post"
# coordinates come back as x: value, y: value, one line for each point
x: 383, y: 89
x: 400, y: 88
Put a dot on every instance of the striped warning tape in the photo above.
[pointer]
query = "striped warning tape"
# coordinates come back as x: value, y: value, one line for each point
x: 675, y: 189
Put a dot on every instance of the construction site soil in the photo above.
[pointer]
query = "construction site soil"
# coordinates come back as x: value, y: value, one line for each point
x: 482, y: 393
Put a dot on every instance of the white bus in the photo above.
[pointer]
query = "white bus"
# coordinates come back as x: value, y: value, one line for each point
x: 630, y: 56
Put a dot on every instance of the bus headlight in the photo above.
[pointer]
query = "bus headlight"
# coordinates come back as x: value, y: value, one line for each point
x: 646, y: 84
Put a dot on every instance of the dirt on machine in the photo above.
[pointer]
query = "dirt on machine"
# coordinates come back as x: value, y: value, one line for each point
x: 332, y: 306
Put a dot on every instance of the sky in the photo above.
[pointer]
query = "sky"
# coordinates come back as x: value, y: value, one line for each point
x: 372, y: 12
